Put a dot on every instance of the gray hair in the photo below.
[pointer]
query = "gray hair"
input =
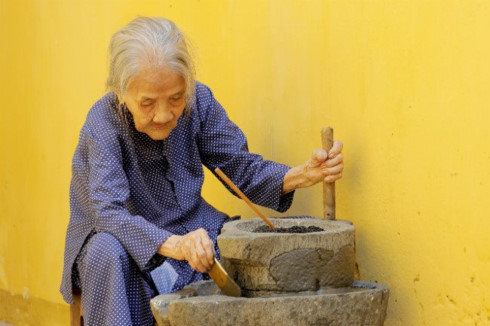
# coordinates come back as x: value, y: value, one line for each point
x: 154, y: 42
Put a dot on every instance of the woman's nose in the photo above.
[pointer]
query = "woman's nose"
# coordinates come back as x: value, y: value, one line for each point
x: 163, y: 115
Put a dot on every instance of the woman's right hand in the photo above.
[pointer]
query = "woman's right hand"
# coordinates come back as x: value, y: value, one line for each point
x: 196, y: 247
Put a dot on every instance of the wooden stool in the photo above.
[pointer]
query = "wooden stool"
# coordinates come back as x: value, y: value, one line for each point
x: 76, y: 314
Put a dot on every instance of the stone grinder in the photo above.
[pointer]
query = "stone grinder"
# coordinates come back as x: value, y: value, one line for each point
x: 285, y: 278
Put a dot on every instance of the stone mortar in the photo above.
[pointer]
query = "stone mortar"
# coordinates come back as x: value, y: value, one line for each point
x: 288, y: 262
x: 202, y: 303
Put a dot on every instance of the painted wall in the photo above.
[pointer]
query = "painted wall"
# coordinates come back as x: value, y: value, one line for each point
x: 405, y: 84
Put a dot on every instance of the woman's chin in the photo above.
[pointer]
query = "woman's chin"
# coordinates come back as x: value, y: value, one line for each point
x: 158, y: 134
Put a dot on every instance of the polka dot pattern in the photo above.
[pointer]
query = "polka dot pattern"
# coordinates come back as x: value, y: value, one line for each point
x: 133, y: 193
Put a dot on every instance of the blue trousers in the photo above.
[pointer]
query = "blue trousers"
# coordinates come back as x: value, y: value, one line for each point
x: 114, y: 290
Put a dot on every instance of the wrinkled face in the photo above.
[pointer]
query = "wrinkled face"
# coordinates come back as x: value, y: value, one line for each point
x: 156, y: 99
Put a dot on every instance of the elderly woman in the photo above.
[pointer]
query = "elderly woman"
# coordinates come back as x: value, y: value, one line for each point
x: 138, y: 224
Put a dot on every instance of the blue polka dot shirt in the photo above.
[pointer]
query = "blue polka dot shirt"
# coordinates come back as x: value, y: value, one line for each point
x: 142, y: 191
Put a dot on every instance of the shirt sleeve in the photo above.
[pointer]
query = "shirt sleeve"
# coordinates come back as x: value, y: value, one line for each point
x: 108, y: 194
x: 222, y: 144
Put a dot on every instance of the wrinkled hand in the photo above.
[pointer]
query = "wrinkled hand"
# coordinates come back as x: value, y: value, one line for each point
x: 196, y: 247
x: 326, y: 166
x: 322, y: 166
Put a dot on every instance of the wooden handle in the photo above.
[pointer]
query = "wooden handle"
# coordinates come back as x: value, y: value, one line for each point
x: 242, y: 196
x: 328, y: 188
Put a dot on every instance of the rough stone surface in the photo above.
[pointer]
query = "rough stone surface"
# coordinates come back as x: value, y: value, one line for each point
x: 289, y: 262
x: 294, y: 277
x: 160, y: 304
x: 360, y: 304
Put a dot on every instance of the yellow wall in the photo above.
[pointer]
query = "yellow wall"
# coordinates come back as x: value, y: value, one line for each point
x: 406, y: 85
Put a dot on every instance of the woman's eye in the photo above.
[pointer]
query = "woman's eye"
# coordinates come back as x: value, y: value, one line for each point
x: 176, y: 100
x: 146, y: 104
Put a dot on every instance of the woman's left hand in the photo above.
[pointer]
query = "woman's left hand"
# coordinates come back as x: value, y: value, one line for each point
x: 321, y: 166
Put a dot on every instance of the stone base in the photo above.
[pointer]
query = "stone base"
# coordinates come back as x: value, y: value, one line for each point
x: 202, y: 303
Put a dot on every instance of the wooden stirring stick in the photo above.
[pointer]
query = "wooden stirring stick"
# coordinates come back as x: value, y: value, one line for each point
x: 242, y: 196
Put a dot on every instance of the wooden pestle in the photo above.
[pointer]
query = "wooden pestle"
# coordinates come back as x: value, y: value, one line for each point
x: 328, y: 188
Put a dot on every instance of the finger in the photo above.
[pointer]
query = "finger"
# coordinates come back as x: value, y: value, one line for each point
x: 208, y: 246
x: 202, y: 257
x: 334, y: 170
x: 196, y: 260
x: 204, y: 248
x: 334, y: 161
x: 192, y: 251
x: 318, y: 157
x: 336, y: 149
x: 332, y: 178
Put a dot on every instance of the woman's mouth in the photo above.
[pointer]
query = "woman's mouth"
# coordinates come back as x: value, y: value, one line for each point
x: 161, y: 126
